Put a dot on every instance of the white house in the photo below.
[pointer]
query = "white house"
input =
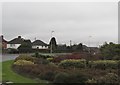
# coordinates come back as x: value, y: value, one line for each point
x: 15, y: 43
x: 38, y: 44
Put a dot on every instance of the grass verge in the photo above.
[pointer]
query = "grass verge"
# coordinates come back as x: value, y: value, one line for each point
x: 9, y: 75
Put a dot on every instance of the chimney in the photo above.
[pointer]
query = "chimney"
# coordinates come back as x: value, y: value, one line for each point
x: 19, y: 36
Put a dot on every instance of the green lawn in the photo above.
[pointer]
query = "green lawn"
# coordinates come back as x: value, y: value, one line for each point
x: 9, y: 75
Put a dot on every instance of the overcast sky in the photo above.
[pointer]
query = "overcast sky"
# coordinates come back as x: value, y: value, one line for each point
x: 74, y: 21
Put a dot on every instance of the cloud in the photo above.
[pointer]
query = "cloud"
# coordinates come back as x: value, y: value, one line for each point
x: 70, y: 20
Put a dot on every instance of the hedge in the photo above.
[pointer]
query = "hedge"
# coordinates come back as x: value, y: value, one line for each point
x: 81, y: 63
x: 104, y: 64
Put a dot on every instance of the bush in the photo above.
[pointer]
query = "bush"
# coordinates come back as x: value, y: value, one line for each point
x: 70, y: 78
x: 61, y: 78
x: 23, y: 62
x: 91, y: 81
x: 32, y: 59
x: 73, y: 63
x: 50, y: 59
x: 108, y: 78
x: 104, y: 64
x: 42, y: 56
x: 12, y: 50
x: 49, y: 75
x: 74, y: 56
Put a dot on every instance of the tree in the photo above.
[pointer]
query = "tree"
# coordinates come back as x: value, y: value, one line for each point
x: 53, y: 44
x: 80, y: 47
x: 25, y: 47
x: 110, y: 51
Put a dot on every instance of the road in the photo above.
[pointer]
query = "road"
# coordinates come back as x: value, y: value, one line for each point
x: 5, y: 57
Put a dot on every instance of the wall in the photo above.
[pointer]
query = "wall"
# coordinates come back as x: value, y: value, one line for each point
x: 15, y: 46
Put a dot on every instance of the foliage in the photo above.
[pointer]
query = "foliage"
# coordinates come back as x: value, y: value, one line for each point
x: 50, y: 59
x: 91, y: 81
x: 108, y: 78
x: 25, y: 47
x: 12, y: 50
x: 71, y: 56
x: 32, y: 59
x: 25, y: 57
x: 70, y: 78
x: 53, y: 44
x: 111, y: 50
x: 42, y: 56
x: 48, y: 75
x: 73, y: 63
x: 23, y: 62
x: 104, y: 64
x: 80, y: 47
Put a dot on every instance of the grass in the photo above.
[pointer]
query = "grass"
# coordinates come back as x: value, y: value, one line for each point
x: 9, y: 75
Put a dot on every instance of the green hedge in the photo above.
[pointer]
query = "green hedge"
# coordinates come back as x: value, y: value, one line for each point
x: 104, y: 64
x: 81, y: 63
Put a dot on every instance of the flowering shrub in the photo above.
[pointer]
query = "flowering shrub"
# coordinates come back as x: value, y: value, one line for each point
x: 32, y: 59
x: 73, y: 63
x: 23, y: 62
x: 25, y: 57
x: 72, y: 56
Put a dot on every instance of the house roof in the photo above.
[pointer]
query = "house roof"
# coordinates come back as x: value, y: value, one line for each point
x: 18, y: 40
x: 39, y: 42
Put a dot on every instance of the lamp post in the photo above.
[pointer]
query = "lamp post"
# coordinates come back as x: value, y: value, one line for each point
x: 51, y: 42
x: 90, y: 44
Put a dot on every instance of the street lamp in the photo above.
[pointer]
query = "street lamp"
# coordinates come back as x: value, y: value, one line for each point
x: 89, y: 43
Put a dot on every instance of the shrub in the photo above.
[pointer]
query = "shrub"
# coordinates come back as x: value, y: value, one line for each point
x: 42, y: 56
x: 11, y: 50
x: 50, y: 59
x: 61, y: 78
x: 74, y: 56
x: 108, y: 78
x: 23, y: 62
x: 32, y: 59
x: 49, y: 75
x: 104, y: 64
x: 25, y: 57
x: 70, y: 78
x: 91, y: 81
x: 73, y: 63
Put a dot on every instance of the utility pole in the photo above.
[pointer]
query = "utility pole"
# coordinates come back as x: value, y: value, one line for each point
x: 90, y: 44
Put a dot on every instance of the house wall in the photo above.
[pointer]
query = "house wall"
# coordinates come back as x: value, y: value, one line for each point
x: 15, y: 46
x: 40, y: 47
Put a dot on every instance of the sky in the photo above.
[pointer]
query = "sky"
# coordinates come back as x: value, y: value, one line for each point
x: 75, y: 21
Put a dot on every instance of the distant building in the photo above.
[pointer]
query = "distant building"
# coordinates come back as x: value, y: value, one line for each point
x: 38, y: 44
x: 3, y: 42
x: 15, y: 43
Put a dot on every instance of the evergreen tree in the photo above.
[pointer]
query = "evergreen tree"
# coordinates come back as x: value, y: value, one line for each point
x: 53, y: 44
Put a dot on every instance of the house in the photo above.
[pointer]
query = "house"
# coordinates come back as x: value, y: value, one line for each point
x: 38, y: 44
x: 3, y: 42
x: 15, y: 43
